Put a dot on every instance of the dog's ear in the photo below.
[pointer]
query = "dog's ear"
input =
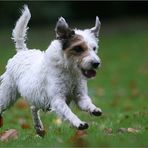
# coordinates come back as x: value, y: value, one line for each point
x: 95, y: 30
x: 62, y: 29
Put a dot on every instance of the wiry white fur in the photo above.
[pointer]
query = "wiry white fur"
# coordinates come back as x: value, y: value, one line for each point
x: 45, y: 79
x: 91, y: 42
x: 19, y: 32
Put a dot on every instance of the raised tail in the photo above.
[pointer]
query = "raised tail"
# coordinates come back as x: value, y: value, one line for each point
x: 19, y: 32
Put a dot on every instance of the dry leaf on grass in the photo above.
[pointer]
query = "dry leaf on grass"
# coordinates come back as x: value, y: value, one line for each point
x: 24, y: 123
x: 122, y: 130
x: 78, y: 139
x: 57, y: 121
x: 141, y: 113
x: 25, y: 126
x: 128, y: 130
x: 80, y: 133
x: 133, y: 130
x: 9, y: 134
x: 21, y: 104
x: 108, y: 131
x: 1, y: 121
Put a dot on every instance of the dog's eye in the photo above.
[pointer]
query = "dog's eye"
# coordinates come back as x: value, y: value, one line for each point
x: 78, y: 49
x: 94, y: 48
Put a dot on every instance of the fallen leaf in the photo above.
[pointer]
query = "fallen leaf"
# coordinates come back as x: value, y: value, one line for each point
x: 21, y: 104
x: 57, y: 121
x: 108, y: 131
x: 78, y: 139
x: 9, y: 134
x: 25, y: 126
x: 132, y: 130
x: 122, y: 130
x: 24, y: 123
x: 128, y: 130
x: 141, y: 113
x: 80, y: 133
x: 1, y: 121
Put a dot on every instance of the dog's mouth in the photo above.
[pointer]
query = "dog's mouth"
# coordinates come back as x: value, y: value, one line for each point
x: 89, y: 73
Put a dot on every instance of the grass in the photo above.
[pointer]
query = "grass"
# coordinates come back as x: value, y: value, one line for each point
x: 120, y: 89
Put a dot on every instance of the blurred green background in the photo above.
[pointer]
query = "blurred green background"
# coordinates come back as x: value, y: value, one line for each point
x: 120, y: 87
x: 124, y: 18
x: 45, y: 13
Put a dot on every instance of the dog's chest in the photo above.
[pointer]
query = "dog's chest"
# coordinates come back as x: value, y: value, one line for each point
x: 70, y: 83
x: 66, y: 83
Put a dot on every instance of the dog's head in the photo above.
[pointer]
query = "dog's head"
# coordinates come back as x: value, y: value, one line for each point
x: 80, y: 46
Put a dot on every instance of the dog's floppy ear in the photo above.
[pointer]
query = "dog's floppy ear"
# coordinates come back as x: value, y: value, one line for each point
x: 95, y: 30
x: 62, y: 29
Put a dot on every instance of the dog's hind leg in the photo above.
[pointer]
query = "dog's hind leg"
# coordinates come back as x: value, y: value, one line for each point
x: 8, y: 93
x: 37, y: 122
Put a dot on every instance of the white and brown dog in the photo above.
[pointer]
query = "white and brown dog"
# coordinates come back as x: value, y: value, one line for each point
x: 50, y: 80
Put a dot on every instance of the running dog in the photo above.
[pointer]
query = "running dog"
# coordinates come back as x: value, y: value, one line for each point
x: 49, y: 80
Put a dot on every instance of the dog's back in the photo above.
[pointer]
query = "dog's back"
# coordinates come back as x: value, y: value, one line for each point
x: 26, y: 69
x: 24, y: 63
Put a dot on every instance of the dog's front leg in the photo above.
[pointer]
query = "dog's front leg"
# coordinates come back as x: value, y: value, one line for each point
x: 62, y: 109
x: 85, y: 103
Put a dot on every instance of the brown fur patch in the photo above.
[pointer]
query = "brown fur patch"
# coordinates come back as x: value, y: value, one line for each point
x: 76, y: 41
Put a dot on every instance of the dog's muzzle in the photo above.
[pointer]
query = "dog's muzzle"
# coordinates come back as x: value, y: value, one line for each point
x: 91, y: 72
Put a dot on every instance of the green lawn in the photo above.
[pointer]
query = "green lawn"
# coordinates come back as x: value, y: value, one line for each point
x: 120, y: 90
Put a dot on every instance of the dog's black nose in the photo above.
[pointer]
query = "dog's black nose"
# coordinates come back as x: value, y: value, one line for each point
x: 95, y: 64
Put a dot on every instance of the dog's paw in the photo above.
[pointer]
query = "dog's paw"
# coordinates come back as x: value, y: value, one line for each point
x: 41, y: 132
x: 96, y: 112
x: 83, y: 126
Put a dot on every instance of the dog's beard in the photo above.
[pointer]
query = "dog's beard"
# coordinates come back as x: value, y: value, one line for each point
x: 75, y: 65
x: 89, y: 73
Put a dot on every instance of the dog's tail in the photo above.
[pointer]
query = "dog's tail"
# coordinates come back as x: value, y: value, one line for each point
x: 19, y: 32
